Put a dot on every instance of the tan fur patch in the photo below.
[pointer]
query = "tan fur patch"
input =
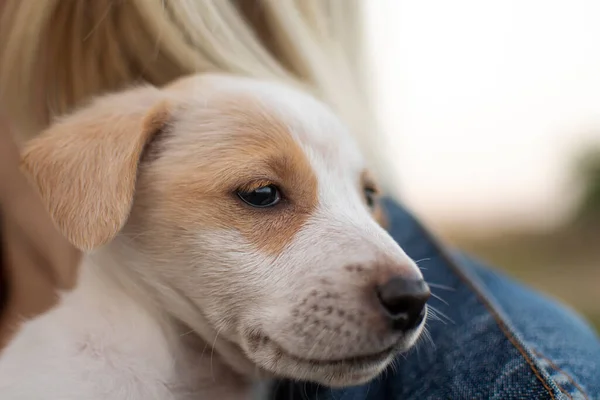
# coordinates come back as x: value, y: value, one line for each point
x: 194, y: 183
x: 85, y: 166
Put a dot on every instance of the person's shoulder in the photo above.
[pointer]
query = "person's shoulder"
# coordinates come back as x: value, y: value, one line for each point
x: 488, y: 337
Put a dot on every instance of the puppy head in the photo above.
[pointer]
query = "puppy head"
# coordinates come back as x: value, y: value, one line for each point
x: 248, y: 211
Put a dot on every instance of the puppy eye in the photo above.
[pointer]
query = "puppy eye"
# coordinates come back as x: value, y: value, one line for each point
x: 370, y: 196
x: 264, y: 196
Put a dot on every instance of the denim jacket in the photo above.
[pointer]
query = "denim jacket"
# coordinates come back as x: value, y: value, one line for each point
x: 494, y: 338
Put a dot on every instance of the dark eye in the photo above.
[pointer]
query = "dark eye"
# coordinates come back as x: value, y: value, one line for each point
x: 265, y: 196
x: 370, y: 196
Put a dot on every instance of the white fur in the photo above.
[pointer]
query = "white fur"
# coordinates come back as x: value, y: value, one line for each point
x: 212, y: 315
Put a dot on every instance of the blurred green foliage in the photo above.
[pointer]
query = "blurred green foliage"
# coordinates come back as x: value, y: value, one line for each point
x: 588, y: 171
x: 588, y: 213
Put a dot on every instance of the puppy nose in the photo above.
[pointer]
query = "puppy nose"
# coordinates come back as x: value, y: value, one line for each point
x: 404, y: 301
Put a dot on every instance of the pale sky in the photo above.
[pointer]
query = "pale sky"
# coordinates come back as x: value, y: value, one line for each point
x: 485, y: 101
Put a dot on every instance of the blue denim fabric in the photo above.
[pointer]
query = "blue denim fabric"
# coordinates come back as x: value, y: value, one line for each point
x: 504, y: 341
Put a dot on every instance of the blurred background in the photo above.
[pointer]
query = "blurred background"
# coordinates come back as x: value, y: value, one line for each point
x: 492, y: 111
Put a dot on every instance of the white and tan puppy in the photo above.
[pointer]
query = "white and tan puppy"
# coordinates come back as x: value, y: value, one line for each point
x: 231, y: 233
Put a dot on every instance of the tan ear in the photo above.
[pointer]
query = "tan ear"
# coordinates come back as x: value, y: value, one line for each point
x: 85, y: 165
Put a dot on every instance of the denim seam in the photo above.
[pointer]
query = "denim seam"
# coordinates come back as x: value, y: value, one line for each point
x: 564, y: 391
x: 559, y: 370
x: 510, y: 335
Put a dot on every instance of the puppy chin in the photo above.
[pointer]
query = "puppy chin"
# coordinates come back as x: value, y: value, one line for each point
x: 339, y: 375
x: 347, y: 379
x: 273, y: 361
x: 345, y: 376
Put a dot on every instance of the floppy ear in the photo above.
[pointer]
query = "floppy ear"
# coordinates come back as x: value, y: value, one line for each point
x: 85, y: 165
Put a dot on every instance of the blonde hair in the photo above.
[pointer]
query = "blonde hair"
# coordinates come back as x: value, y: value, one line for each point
x: 57, y: 53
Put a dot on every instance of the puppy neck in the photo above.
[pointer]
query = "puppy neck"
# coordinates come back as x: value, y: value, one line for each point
x: 111, y: 290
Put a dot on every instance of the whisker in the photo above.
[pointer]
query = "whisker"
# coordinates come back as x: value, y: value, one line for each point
x: 393, y: 366
x: 438, y: 319
x: 416, y: 348
x: 439, y: 313
x: 421, y: 260
x: 443, y: 287
x: 424, y: 337
x: 434, y: 316
x: 204, y: 349
x: 428, y: 336
x: 435, y: 296
x: 212, y: 353
x: 368, y: 389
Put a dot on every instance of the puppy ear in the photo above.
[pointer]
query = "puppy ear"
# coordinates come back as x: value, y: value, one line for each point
x: 85, y: 165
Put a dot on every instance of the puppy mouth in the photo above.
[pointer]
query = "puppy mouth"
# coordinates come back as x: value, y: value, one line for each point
x: 362, y: 360
x: 359, y: 360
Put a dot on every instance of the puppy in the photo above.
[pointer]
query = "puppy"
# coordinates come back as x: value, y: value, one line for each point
x: 231, y: 234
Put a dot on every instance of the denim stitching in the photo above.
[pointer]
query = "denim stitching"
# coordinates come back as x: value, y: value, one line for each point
x: 505, y: 330
x: 501, y: 324
x: 564, y: 391
x: 556, y: 368
x: 561, y: 388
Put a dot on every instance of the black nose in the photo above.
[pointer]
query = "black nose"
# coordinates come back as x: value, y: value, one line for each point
x: 404, y: 301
